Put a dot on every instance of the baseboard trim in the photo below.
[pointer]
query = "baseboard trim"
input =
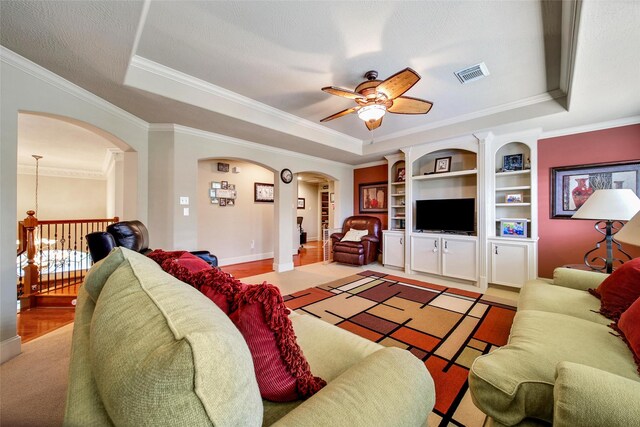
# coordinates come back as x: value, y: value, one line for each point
x: 10, y: 348
x: 245, y: 258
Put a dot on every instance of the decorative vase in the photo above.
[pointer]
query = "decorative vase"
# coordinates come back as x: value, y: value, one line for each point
x: 581, y: 193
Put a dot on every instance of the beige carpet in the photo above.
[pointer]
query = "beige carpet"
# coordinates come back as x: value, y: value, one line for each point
x: 33, y: 385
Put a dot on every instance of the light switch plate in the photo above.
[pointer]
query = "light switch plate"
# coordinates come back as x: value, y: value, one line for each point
x: 184, y: 200
x: 185, y: 211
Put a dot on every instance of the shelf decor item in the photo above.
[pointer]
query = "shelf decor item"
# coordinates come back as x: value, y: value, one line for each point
x: 513, y: 228
x: 513, y: 198
x: 262, y: 192
x: 373, y: 197
x: 512, y: 162
x: 443, y: 164
x: 572, y: 186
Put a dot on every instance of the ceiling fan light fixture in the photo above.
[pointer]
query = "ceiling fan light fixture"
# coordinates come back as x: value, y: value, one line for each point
x: 372, y: 113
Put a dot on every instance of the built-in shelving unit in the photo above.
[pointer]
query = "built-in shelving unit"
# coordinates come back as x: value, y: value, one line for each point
x: 324, y: 210
x: 397, y: 194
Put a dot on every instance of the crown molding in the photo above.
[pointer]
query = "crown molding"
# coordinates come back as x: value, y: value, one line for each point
x: 370, y: 164
x: 627, y: 121
x: 60, y: 172
x: 13, y: 59
x: 142, y: 71
x: 168, y: 127
x: 537, y: 99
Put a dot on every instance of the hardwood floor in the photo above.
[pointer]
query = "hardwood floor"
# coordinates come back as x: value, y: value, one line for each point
x: 40, y: 320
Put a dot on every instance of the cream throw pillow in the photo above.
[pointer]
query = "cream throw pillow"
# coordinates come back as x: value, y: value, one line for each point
x: 354, y: 235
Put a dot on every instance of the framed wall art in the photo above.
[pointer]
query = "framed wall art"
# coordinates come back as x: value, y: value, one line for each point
x: 223, y: 167
x: 373, y: 197
x: 301, y: 201
x: 262, y: 192
x: 571, y: 186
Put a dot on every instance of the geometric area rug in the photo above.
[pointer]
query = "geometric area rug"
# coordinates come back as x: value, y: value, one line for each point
x: 446, y: 328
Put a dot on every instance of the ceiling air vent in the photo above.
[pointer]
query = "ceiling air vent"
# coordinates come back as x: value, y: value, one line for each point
x: 472, y: 73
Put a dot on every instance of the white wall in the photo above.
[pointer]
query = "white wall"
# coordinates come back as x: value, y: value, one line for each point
x: 174, y: 173
x: 310, y: 213
x: 26, y: 87
x: 62, y: 198
x: 229, y: 231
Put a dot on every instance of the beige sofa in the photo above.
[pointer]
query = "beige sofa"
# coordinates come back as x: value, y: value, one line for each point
x: 562, y: 365
x: 151, y: 350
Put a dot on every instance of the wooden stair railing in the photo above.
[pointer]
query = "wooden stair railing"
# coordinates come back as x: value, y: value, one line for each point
x: 53, y: 256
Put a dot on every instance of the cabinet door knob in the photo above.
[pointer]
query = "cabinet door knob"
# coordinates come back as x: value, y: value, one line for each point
x: 496, y: 250
x: 401, y: 240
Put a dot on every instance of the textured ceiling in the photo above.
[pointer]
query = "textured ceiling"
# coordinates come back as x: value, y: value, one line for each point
x: 253, y: 70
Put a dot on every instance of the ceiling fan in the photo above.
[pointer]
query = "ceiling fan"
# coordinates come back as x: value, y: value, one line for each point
x: 375, y: 98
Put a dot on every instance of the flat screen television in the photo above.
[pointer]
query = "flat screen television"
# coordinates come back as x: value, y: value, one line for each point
x: 446, y: 215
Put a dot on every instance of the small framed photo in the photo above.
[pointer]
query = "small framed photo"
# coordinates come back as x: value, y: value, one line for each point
x: 443, y: 164
x: 212, y: 193
x: 216, y: 184
x: 223, y: 167
x: 400, y: 175
x: 262, y: 192
x: 512, y: 162
x: 232, y: 186
x: 223, y: 202
x: 224, y: 184
x: 215, y: 201
x: 513, y: 198
x: 301, y: 202
x: 513, y: 228
x: 231, y: 202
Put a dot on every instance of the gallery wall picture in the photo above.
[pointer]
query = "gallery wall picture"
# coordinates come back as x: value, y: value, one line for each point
x: 301, y: 203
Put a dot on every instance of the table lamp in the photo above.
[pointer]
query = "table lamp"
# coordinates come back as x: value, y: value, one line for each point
x: 609, y: 208
x: 630, y: 233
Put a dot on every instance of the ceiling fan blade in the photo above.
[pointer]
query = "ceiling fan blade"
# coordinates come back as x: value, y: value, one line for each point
x: 399, y: 83
x: 374, y: 124
x: 345, y: 93
x: 340, y: 114
x: 408, y: 105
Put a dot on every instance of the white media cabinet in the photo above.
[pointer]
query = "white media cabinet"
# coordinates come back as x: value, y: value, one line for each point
x: 502, y: 196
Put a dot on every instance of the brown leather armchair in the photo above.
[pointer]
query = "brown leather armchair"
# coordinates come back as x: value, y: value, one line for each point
x: 359, y: 253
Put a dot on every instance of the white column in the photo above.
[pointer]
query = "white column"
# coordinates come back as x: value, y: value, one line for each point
x: 285, y: 200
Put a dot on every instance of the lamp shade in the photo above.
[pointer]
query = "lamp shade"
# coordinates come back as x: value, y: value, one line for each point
x: 611, y: 205
x: 630, y: 233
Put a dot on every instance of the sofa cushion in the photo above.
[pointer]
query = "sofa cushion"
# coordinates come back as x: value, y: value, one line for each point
x: 100, y: 272
x: 281, y: 369
x: 516, y: 381
x: 542, y: 296
x: 629, y: 328
x: 159, y: 348
x: 330, y: 352
x: 618, y: 291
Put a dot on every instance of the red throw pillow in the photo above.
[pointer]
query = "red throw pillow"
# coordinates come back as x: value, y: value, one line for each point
x: 282, y: 372
x: 159, y: 256
x: 193, y: 263
x: 618, y: 291
x: 629, y: 328
x: 215, y: 284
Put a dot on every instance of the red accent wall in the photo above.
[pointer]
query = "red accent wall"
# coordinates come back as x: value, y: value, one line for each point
x: 366, y: 176
x: 565, y: 241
